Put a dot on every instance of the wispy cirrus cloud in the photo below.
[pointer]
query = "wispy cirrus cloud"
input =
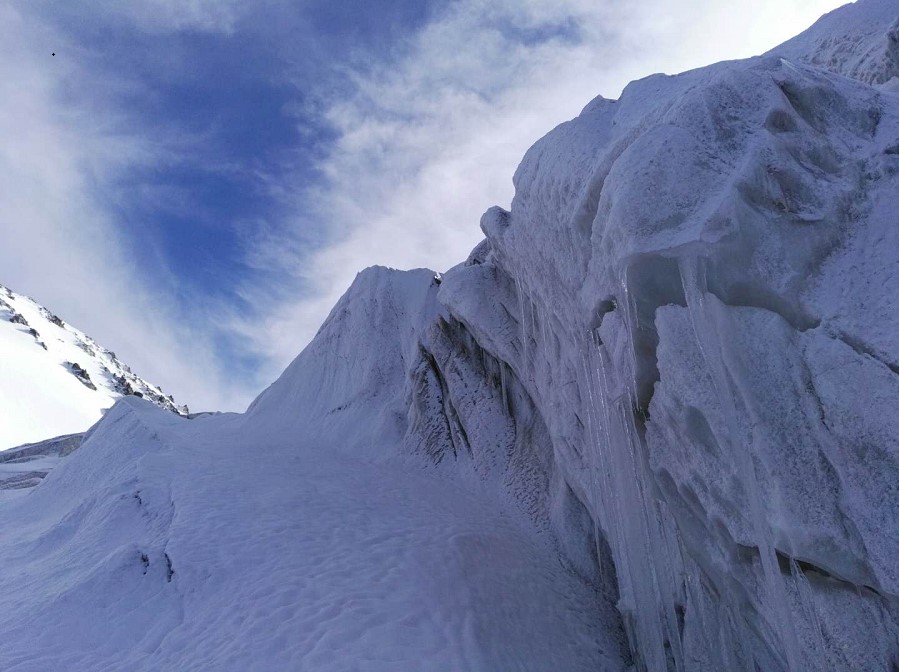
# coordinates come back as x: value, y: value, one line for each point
x: 428, y: 136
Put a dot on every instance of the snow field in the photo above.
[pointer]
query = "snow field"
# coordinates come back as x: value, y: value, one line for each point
x: 283, y: 557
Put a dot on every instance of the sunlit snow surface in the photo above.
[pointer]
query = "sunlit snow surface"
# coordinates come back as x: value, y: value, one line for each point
x: 667, y: 382
x: 42, y: 394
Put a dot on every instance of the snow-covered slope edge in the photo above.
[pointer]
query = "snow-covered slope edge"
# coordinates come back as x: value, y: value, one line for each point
x: 54, y: 379
x: 24, y: 467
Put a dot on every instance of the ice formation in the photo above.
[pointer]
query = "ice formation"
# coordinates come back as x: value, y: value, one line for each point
x: 688, y: 325
x: 676, y: 357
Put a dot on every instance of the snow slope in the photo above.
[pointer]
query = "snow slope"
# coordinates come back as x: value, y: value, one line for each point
x: 54, y: 379
x: 650, y: 423
x: 199, y: 546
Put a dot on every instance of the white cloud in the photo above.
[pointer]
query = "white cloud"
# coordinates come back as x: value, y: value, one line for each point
x: 169, y: 16
x: 432, y: 136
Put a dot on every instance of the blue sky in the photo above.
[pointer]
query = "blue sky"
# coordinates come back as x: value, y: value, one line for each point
x: 241, y: 103
x: 195, y: 182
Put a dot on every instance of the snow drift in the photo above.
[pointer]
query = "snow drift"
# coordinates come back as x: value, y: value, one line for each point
x: 673, y: 363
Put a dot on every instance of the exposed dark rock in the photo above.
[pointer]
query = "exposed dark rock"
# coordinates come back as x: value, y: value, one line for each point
x: 82, y: 375
x: 53, y: 318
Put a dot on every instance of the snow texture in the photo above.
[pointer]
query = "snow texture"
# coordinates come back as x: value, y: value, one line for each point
x: 199, y: 545
x: 650, y: 423
x: 54, y: 379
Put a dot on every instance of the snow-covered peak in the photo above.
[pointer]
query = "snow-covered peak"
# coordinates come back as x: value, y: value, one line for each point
x: 55, y: 379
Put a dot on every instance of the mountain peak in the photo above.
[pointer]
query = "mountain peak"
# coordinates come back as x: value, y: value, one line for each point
x: 57, y: 379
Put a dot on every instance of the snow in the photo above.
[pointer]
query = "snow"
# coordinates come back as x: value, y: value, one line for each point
x: 24, y: 467
x: 861, y: 43
x: 198, y: 547
x: 648, y: 424
x: 40, y: 395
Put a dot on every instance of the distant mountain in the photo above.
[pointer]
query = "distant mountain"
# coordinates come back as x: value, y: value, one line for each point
x: 55, y: 379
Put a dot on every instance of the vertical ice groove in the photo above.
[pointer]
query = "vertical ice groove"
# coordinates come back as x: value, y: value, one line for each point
x: 629, y: 510
x: 632, y: 325
x: 522, y: 330
x: 807, y: 602
x: 592, y: 460
x: 601, y: 442
x: 502, y: 380
x: 610, y: 510
x: 653, y: 535
x: 726, y: 631
x: 543, y: 327
x: 531, y: 308
x: 707, y: 324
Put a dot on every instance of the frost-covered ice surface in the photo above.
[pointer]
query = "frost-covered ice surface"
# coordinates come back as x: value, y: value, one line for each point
x: 55, y: 379
x: 862, y: 43
x: 666, y: 382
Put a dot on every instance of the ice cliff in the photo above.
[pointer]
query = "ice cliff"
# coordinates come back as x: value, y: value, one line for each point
x: 680, y: 351
x: 677, y: 356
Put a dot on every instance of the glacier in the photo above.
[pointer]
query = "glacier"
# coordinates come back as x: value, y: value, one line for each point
x: 650, y: 423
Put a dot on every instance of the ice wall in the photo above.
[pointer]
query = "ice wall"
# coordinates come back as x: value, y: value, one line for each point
x: 706, y: 265
x: 679, y: 351
x: 699, y: 277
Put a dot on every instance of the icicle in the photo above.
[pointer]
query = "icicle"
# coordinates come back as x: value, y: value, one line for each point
x: 533, y: 319
x: 543, y: 328
x: 592, y: 455
x: 807, y: 601
x: 502, y: 380
x: 626, y: 508
x: 710, y: 342
x: 523, y: 330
